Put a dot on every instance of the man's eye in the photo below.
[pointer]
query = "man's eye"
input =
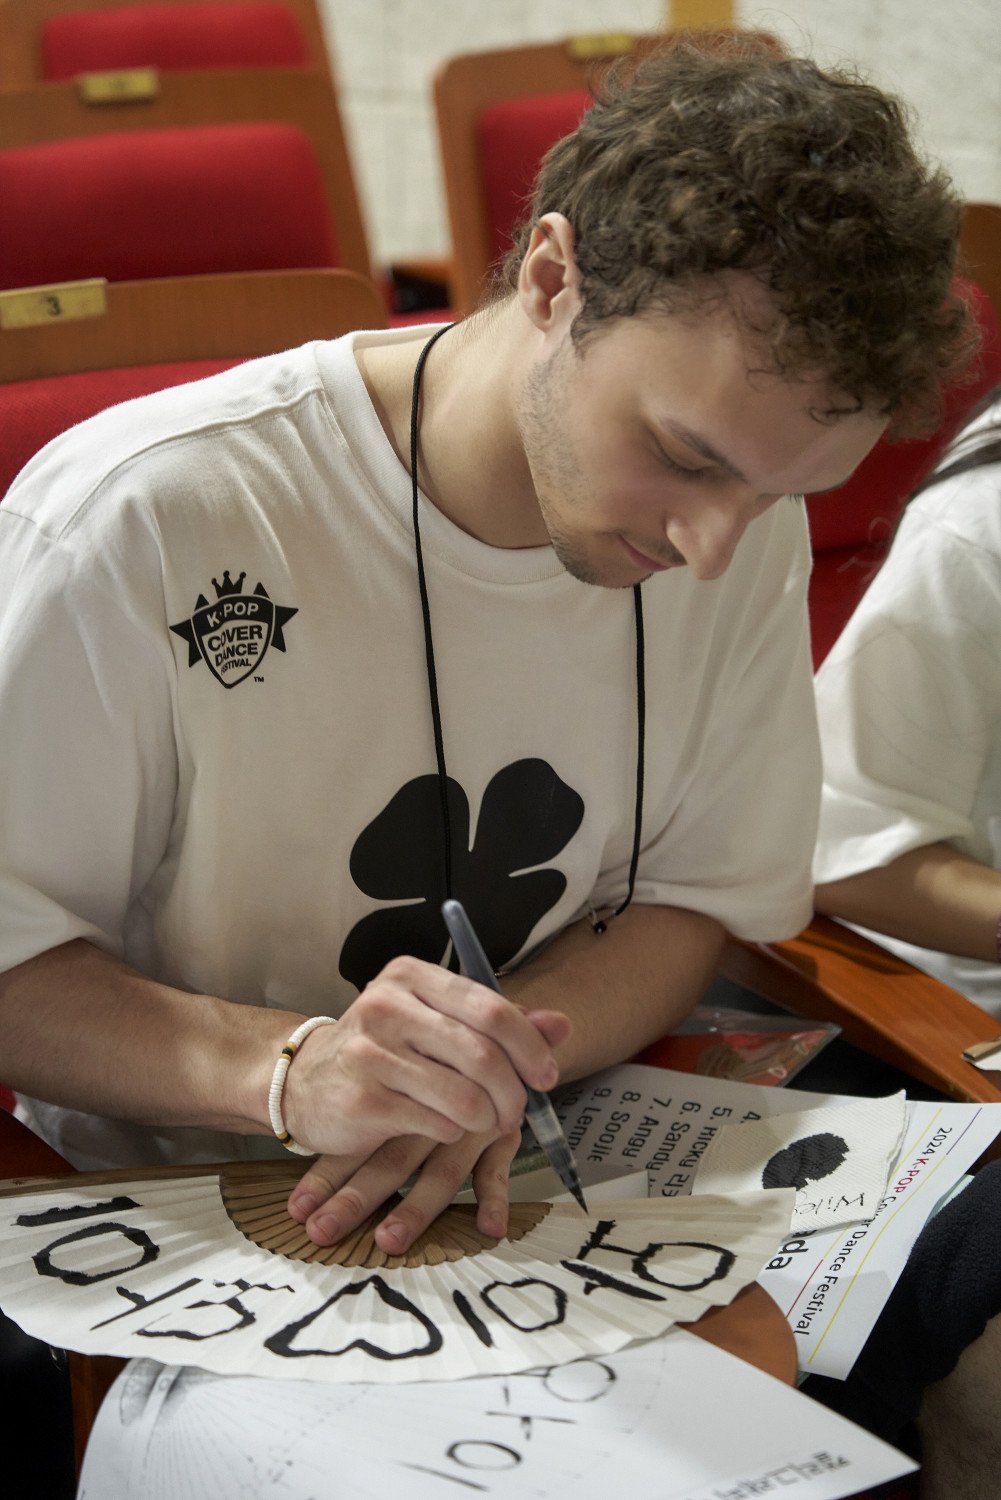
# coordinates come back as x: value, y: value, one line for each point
x: 677, y: 468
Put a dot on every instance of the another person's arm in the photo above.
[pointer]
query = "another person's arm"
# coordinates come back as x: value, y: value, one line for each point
x: 909, y: 703
x: 933, y: 897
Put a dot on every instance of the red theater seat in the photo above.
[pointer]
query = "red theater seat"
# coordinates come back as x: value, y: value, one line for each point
x: 514, y: 136
x: 251, y: 35
x: 163, y: 203
x: 48, y: 40
x: 215, y: 173
x: 156, y: 333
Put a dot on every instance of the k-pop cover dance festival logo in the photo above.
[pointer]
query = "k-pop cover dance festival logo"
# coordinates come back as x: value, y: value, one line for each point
x: 232, y: 635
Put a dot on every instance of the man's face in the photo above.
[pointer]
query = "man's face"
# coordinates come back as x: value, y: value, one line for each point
x: 656, y: 444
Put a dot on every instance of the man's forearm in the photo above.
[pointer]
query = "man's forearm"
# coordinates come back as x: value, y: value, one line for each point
x: 82, y: 1030
x: 623, y: 988
x: 932, y: 896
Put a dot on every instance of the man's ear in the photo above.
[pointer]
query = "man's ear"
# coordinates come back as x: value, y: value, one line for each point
x: 548, y: 280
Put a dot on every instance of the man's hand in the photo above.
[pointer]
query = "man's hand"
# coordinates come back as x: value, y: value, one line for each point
x: 424, y: 1067
x: 338, y: 1193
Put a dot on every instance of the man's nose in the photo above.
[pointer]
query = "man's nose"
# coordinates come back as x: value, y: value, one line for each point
x: 708, y: 538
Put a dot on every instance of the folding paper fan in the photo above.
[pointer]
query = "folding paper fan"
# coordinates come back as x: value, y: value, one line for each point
x: 205, y: 1267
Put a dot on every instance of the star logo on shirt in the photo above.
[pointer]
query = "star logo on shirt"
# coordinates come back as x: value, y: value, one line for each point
x: 232, y: 635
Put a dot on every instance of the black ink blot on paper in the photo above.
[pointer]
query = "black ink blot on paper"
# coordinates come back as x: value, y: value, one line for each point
x: 804, y: 1161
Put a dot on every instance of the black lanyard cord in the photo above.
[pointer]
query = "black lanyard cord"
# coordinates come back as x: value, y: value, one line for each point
x: 432, y: 676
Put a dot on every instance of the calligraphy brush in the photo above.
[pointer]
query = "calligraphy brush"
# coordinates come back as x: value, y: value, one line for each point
x: 539, y: 1111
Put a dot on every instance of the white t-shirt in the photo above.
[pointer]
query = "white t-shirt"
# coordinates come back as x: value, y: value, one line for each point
x: 215, y: 726
x: 910, y: 706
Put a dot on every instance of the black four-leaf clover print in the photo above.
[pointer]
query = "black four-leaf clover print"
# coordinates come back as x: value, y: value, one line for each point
x: 528, y: 816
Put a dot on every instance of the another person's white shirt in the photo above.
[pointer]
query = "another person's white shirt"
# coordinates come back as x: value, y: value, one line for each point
x: 910, y: 706
x: 215, y: 730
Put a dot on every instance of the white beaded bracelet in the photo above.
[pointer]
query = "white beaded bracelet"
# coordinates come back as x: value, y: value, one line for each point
x: 289, y: 1050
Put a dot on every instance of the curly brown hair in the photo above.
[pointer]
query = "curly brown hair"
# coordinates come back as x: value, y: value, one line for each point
x: 695, y: 161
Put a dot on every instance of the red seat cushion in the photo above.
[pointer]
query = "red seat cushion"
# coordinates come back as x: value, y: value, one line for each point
x: 840, y: 577
x: 33, y: 412
x: 6, y: 1100
x: 172, y: 36
x: 168, y: 202
x: 514, y: 137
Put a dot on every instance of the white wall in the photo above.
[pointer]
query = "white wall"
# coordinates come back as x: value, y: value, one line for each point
x: 944, y: 60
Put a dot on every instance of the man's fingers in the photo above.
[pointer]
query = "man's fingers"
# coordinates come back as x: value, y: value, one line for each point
x: 491, y: 1177
x: 342, y: 1192
x: 420, y: 1052
x: 440, y: 1179
x: 320, y: 1182
x: 339, y: 1193
x: 554, y: 1025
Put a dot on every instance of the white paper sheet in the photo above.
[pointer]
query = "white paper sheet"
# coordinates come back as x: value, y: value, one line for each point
x: 837, y: 1157
x: 672, y: 1418
x: 991, y: 1063
x: 831, y: 1286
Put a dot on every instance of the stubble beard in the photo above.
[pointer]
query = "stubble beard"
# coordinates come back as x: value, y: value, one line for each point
x: 571, y: 557
x: 554, y: 468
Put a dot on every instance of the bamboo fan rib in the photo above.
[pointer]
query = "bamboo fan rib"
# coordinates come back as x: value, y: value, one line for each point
x: 256, y: 1202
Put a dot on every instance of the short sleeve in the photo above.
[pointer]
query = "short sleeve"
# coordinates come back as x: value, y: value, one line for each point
x: 86, y: 743
x: 910, y: 701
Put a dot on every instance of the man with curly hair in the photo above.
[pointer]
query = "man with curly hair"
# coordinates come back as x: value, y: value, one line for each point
x: 516, y: 613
